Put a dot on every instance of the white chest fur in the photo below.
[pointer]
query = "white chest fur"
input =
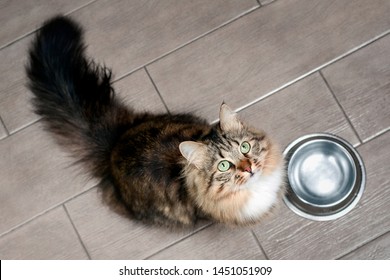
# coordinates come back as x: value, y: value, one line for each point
x: 263, y: 194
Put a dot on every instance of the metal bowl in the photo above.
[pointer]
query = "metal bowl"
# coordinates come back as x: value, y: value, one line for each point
x: 326, y: 177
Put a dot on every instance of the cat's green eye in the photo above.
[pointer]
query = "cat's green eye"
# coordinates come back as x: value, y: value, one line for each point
x: 245, y: 147
x: 224, y: 165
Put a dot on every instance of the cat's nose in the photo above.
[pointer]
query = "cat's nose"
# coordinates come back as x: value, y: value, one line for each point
x: 245, y: 166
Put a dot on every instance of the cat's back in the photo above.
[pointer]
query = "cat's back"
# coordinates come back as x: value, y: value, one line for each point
x: 147, y: 166
x: 150, y: 147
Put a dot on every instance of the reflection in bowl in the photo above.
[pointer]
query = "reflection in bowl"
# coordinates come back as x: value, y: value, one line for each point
x: 326, y: 177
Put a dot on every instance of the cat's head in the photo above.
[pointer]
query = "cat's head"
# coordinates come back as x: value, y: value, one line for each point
x: 237, y: 172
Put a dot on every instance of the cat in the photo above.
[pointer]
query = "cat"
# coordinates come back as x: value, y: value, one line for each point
x: 163, y: 169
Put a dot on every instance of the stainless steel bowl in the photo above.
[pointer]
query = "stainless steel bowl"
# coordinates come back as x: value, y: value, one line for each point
x: 326, y: 177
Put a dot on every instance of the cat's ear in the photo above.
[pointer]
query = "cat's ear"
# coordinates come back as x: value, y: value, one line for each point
x: 193, y: 152
x: 228, y: 119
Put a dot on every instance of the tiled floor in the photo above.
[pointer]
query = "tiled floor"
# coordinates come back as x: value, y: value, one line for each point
x: 289, y: 66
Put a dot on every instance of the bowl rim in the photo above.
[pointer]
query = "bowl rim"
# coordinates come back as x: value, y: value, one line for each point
x: 334, y: 211
x: 345, y: 152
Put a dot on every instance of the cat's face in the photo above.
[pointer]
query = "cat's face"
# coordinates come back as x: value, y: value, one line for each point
x: 239, y: 164
x: 235, y: 160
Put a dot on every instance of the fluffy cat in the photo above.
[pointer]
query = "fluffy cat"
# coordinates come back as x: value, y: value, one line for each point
x: 163, y: 169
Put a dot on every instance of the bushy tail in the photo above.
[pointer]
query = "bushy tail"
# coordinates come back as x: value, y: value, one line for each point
x: 74, y: 95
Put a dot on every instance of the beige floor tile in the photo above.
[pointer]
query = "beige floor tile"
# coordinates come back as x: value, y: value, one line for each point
x: 3, y: 132
x: 129, y: 34
x: 35, y: 175
x: 264, y: 50
x: 50, y: 236
x: 15, y: 108
x: 378, y: 249
x: 215, y: 243
x: 19, y: 17
x: 361, y: 83
x: 137, y: 92
x: 291, y: 237
x: 108, y: 235
x: 302, y: 108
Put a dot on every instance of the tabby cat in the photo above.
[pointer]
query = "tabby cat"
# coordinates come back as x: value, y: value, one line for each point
x: 166, y: 169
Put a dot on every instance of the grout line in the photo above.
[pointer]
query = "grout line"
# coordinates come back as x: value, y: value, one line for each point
x: 21, y: 37
x: 25, y: 126
x: 341, y: 107
x: 158, y: 92
x: 77, y: 232
x: 376, y: 135
x: 29, y: 220
x: 245, y: 13
x: 17, y: 39
x: 80, y: 7
x: 259, y: 244
x: 23, y: 223
x: 326, y: 64
x: 5, y: 128
x: 363, y: 244
x: 180, y: 240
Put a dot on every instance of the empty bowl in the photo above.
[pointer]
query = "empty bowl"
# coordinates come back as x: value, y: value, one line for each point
x: 326, y: 176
